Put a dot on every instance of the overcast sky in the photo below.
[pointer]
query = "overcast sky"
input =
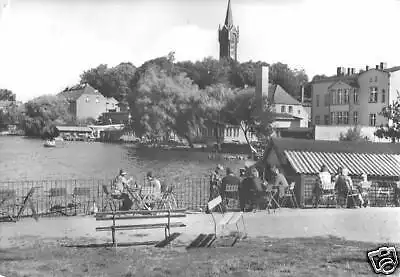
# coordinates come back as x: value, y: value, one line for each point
x: 46, y: 44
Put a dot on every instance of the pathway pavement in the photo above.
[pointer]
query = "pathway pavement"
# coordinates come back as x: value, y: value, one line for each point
x: 367, y: 224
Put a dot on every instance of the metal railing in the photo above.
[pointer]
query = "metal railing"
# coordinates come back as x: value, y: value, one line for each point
x: 77, y: 196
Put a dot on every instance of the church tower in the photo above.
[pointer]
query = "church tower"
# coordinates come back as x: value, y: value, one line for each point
x: 228, y: 37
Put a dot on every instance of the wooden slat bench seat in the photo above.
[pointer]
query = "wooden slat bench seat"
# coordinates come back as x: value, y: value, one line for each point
x: 137, y: 215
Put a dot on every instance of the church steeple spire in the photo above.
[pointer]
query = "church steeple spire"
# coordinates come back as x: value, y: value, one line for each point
x: 228, y: 36
x: 229, y: 18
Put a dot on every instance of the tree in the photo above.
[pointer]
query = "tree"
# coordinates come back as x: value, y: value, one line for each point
x: 353, y: 134
x: 111, y: 82
x: 242, y: 110
x: 43, y: 114
x: 390, y: 130
x: 289, y: 79
x: 7, y: 95
x: 163, y: 102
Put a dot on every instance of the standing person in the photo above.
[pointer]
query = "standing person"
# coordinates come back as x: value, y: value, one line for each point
x: 215, y: 180
x: 323, y: 180
x: 119, y: 190
x: 229, y: 179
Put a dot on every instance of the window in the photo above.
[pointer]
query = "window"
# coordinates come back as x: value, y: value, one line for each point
x: 339, y: 118
x: 236, y: 132
x: 87, y: 99
x: 355, y: 96
x: 355, y: 117
x: 326, y: 100
x: 333, y: 97
x: 376, y: 78
x: 317, y: 99
x: 373, y: 95
x: 370, y: 80
x: 283, y: 109
x: 298, y: 111
x: 317, y: 120
x: 290, y: 109
x: 339, y: 98
x: 326, y: 119
x: 383, y: 96
x: 345, y: 117
x: 372, y: 119
x: 345, y: 96
x: 332, y: 118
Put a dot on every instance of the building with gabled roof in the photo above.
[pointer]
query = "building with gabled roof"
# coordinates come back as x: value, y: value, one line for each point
x: 87, y: 102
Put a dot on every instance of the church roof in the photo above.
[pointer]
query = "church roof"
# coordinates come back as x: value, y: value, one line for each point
x: 229, y: 18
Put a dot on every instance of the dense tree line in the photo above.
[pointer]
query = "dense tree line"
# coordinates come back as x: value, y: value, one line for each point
x: 166, y: 96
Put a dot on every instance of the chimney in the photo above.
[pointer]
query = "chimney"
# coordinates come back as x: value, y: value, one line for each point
x: 348, y: 71
x: 302, y: 94
x: 383, y: 65
x: 377, y: 66
x: 262, y: 85
x: 338, y: 71
x: 366, y: 68
x: 353, y: 71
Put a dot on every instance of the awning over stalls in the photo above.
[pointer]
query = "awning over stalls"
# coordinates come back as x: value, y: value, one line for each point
x: 308, y: 162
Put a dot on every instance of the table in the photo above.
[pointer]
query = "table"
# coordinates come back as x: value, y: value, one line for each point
x: 137, y: 198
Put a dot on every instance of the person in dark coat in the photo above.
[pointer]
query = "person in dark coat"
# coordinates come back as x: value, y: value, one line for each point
x: 229, y: 179
x: 252, y: 191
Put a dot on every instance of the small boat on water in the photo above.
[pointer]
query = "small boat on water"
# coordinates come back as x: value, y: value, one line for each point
x: 49, y: 143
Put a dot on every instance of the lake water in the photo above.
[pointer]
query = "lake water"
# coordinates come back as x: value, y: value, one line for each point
x: 27, y: 159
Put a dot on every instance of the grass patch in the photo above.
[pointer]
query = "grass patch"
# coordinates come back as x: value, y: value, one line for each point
x: 262, y: 257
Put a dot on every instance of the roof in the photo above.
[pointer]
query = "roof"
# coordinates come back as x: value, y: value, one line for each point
x: 229, y: 17
x: 73, y: 129
x: 393, y: 69
x: 351, y: 80
x: 306, y: 162
x: 277, y: 95
x: 352, y: 83
x: 73, y: 93
x: 285, y: 116
x: 307, y: 156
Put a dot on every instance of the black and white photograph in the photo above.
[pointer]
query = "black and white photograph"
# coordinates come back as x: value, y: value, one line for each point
x: 215, y: 138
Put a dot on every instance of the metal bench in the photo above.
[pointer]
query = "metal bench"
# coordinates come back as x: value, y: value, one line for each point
x: 137, y: 214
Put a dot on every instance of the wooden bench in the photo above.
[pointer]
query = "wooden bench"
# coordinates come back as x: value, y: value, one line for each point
x: 138, y: 214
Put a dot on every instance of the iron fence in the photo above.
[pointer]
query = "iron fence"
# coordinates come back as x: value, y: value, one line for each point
x: 78, y: 196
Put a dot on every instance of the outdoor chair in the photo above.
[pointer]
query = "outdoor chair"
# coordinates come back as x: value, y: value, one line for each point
x: 383, y: 196
x: 290, y: 196
x: 81, y: 198
x: 109, y: 201
x: 231, y: 195
x: 228, y: 218
x: 10, y: 196
x: 271, y: 195
x: 167, y: 200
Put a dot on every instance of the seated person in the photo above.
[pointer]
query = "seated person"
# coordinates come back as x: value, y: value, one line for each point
x: 229, y: 179
x: 152, y: 189
x: 251, y: 191
x: 362, y: 189
x: 280, y: 182
x: 118, y: 190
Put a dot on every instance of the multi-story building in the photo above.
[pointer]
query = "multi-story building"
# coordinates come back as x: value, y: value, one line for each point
x: 87, y: 102
x: 355, y: 98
